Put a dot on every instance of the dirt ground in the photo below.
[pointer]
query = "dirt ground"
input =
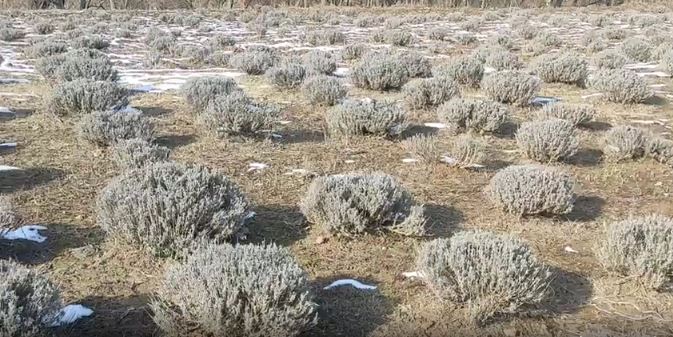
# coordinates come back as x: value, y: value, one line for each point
x: 62, y: 175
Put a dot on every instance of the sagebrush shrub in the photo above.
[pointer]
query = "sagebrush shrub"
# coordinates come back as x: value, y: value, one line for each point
x: 400, y: 38
x: 105, y: 128
x: 355, y: 203
x: 637, y: 49
x: 85, y: 96
x: 380, y: 71
x: 547, y: 140
x: 667, y: 61
x: 661, y: 50
x: 514, y: 87
x: 76, y: 64
x: 577, y: 114
x: 491, y: 273
x: 469, y: 114
x: 45, y: 48
x: 615, y: 34
x: 565, y: 67
x: 8, y: 216
x: 29, y: 302
x: 91, y: 42
x: 416, y: 64
x: 199, y: 91
x: 11, y: 34
x: 167, y: 208
x: 254, y: 62
x: 237, y: 291
x: 625, y: 142
x: 323, y: 89
x: 640, y: 247
x: 621, y: 86
x: 286, y: 74
x: 423, y: 147
x: 136, y: 152
x: 237, y: 115
x: 438, y: 33
x: 660, y: 149
x: 609, y: 59
x: 466, y: 151
x: 501, y: 59
x: 532, y: 189
x: 363, y: 117
x: 353, y: 51
x: 429, y: 92
x: 319, y: 62
x: 44, y: 28
x: 325, y: 37
x: 464, y: 70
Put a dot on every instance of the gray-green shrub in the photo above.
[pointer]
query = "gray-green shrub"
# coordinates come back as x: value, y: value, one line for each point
x: 199, y: 91
x: 363, y: 117
x: 236, y: 291
x: 469, y: 114
x: 355, y: 203
x: 567, y: 67
x: 640, y: 247
x: 491, y: 273
x: 577, y: 114
x: 168, y: 208
x: 465, y: 70
x: 237, y: 115
x: 85, y: 96
x: 609, y: 59
x: 136, y: 152
x: 547, y: 140
x: 429, y: 92
x: 637, y: 49
x: 286, y: 74
x: 319, y: 62
x: 621, y: 86
x: 532, y: 189
x: 323, y: 89
x: 625, y: 142
x: 254, y: 62
x: 509, y: 86
x: 380, y: 71
x: 105, y: 128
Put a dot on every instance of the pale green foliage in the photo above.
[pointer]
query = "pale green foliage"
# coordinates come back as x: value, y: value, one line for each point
x: 237, y: 115
x: 323, y: 89
x: 464, y: 70
x: 577, y: 114
x: 199, y: 91
x: 621, y: 86
x: 565, y: 67
x: 363, y: 117
x: 547, y: 140
x: 85, y: 96
x: 514, y: 87
x: 625, y: 142
x: 380, y: 71
x: 136, y: 153
x: 469, y: 114
x: 429, y: 92
x: 105, y: 128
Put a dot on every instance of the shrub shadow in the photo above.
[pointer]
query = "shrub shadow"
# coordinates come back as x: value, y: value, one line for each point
x: 282, y: 224
x: 586, y: 157
x: 596, y: 126
x: 175, y: 141
x: 60, y: 238
x: 154, y: 111
x: 302, y: 136
x: 113, y: 317
x: 442, y: 220
x: 507, y: 130
x: 27, y: 178
x: 587, y: 208
x: 570, y: 291
x: 348, y: 311
x: 418, y: 129
x: 656, y: 100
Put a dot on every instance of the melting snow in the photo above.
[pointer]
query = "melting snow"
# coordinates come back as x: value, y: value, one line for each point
x: 350, y: 282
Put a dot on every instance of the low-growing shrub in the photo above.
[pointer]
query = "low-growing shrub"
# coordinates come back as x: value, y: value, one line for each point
x: 286, y: 74
x: 400, y: 38
x: 547, y: 140
x: 609, y: 59
x: 29, y: 302
x: 423, y: 147
x: 640, y: 247
x: 237, y: 115
x: 363, y: 117
x: 465, y: 151
x: 91, y: 42
x: 355, y: 203
x: 637, y: 49
x: 319, y: 62
x: 661, y: 50
x: 85, y: 96
x: 44, y: 28
x: 380, y: 71
x: 416, y: 64
x: 136, y: 152
x: 9, y: 218
x: 621, y: 86
x: 254, y: 62
x: 469, y: 114
x: 577, y: 114
x: 491, y: 273
x: 464, y: 70
x: 502, y: 40
x: 567, y: 68
x: 168, y: 208
x: 615, y: 34
x: 254, y: 291
x: 45, y: 48
x: 325, y: 37
x: 323, y: 89
x: 88, y: 64
x: 660, y: 149
x: 625, y: 142
x: 532, y: 189
x: 353, y: 51
x: 438, y: 33
x: 199, y: 91
x: 429, y: 92
x: 514, y: 87
x: 11, y: 34
x: 667, y: 61
x: 501, y: 59
x: 105, y: 128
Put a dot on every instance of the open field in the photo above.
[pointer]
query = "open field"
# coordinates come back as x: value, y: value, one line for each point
x: 61, y: 174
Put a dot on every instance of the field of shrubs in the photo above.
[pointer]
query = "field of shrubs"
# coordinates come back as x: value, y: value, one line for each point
x: 337, y: 172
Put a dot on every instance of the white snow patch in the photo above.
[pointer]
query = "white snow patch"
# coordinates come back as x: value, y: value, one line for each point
x: 436, y: 125
x: 30, y: 233
x: 350, y: 282
x: 569, y: 249
x: 409, y: 160
x: 8, y: 168
x: 69, y: 314
x: 257, y: 166
x: 413, y: 274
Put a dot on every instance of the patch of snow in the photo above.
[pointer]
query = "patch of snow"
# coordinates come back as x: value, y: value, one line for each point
x: 544, y: 100
x: 413, y: 274
x: 30, y: 233
x: 569, y: 249
x: 8, y: 168
x: 350, y: 282
x: 69, y: 314
x: 409, y: 160
x: 436, y: 125
x: 349, y: 161
x: 257, y: 166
